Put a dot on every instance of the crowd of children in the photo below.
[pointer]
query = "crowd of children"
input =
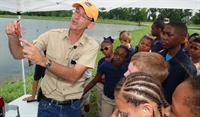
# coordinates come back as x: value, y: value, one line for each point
x: 141, y: 81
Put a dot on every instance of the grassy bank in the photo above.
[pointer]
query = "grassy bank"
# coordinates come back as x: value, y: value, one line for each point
x: 13, y: 89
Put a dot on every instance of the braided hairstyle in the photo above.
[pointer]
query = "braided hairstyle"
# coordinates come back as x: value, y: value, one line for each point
x: 194, y: 102
x: 139, y: 88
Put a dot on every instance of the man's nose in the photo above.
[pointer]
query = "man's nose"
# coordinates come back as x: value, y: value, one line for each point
x: 77, y: 16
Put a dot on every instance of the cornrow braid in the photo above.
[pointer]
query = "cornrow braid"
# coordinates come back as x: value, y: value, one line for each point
x: 139, y: 88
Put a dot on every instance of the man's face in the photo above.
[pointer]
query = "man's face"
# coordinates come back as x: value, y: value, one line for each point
x: 79, y: 19
x: 180, y: 106
x: 170, y: 38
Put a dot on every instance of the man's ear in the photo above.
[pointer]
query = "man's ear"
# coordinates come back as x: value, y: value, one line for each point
x: 91, y: 25
x: 147, y: 110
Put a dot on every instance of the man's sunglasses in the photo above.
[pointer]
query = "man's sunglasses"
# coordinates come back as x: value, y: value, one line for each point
x: 104, y: 49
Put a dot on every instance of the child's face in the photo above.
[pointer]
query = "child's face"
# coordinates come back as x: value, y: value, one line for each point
x: 170, y: 38
x: 155, y: 31
x: 124, y: 39
x: 144, y: 45
x: 194, y: 50
x: 120, y: 56
x: 125, y: 108
x: 125, y: 42
x: 106, y: 49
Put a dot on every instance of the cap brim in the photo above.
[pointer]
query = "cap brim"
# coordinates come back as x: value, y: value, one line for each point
x: 84, y: 7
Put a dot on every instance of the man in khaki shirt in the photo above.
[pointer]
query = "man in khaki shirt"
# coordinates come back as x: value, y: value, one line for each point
x: 69, y: 54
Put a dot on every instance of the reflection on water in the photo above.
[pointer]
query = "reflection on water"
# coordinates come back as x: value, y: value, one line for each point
x: 11, y: 69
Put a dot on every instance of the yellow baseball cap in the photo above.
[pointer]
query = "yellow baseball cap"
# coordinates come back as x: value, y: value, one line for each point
x: 90, y: 9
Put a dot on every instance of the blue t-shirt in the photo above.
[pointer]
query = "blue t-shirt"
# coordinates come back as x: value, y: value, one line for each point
x: 112, y: 77
x: 180, y: 66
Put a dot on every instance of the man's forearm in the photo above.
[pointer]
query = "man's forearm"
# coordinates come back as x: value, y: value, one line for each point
x: 64, y: 72
x: 15, y: 47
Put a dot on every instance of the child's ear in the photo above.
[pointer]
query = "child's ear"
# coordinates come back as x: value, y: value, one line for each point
x: 147, y: 110
x: 167, y: 111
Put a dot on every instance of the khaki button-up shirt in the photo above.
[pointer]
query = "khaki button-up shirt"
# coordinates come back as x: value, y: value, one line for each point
x: 59, y: 50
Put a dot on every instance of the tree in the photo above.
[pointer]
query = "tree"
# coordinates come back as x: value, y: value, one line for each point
x: 175, y: 14
x: 140, y: 15
x: 196, y: 18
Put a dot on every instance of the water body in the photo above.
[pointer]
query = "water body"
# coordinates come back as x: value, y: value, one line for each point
x: 11, y: 69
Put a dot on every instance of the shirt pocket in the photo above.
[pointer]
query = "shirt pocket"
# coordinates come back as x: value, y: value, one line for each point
x: 54, y: 55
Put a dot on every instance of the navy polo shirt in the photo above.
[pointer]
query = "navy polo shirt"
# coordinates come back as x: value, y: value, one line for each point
x: 100, y: 62
x: 112, y: 77
x: 130, y: 54
x: 180, y: 66
x: 156, y: 45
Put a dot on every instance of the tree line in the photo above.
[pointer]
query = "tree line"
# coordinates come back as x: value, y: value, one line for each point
x: 129, y: 14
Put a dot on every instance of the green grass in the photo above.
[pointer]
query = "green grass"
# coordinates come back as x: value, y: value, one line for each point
x: 14, y: 89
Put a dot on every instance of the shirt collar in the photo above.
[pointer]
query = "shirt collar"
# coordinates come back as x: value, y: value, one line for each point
x: 81, y: 41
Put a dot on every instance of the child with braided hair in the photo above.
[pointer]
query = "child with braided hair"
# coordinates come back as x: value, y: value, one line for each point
x: 140, y: 95
x: 186, y: 98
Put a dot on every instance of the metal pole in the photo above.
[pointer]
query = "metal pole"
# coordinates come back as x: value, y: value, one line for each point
x: 22, y: 64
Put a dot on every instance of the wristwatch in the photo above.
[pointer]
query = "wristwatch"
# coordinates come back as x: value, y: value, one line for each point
x: 48, y: 64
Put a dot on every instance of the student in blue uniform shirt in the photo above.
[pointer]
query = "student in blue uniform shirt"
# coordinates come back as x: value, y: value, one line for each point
x: 156, y: 30
x: 114, y: 71
x: 107, y: 50
x: 180, y: 65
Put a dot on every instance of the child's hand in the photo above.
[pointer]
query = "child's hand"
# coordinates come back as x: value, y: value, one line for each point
x: 30, y: 98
